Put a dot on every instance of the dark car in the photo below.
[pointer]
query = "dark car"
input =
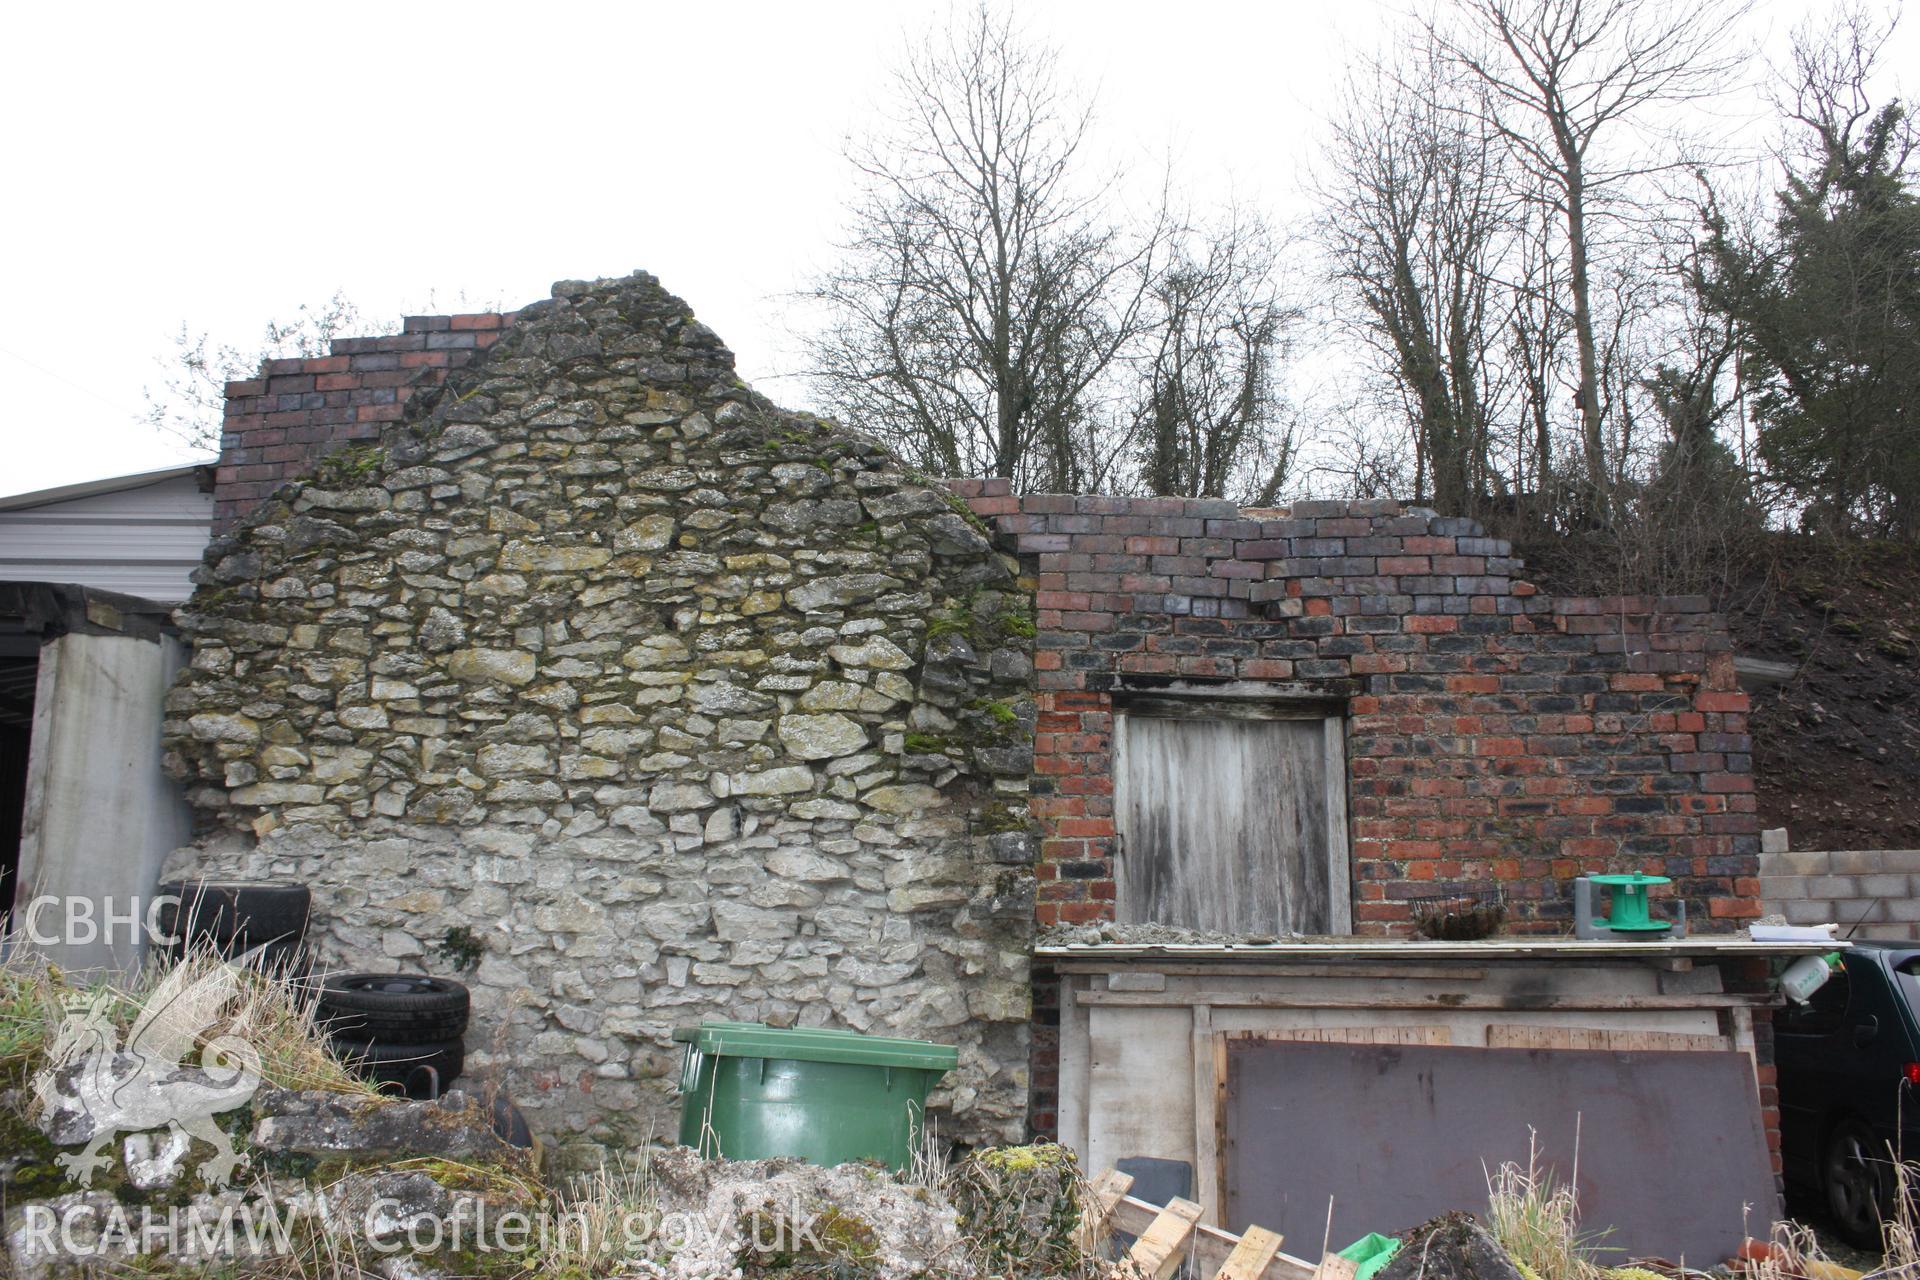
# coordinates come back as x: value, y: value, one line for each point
x: 1849, y: 1069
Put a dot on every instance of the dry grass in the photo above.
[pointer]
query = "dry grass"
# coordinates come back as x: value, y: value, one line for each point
x: 599, y: 1209
x: 1538, y: 1222
x: 932, y: 1161
x: 1901, y: 1235
x: 270, y: 1015
x: 1796, y: 1254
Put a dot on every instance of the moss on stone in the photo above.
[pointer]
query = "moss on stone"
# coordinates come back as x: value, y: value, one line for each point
x: 834, y: 1243
x: 997, y: 817
x: 353, y: 463
x: 947, y: 625
x: 1000, y: 711
x: 1039, y: 1155
x: 1013, y: 624
x: 1020, y: 1209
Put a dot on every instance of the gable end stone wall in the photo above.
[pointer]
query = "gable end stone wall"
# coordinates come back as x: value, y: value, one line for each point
x: 680, y: 706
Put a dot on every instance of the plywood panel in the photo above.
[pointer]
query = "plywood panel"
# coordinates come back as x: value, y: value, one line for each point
x: 1139, y: 1086
x: 1671, y: 1152
x: 1224, y: 824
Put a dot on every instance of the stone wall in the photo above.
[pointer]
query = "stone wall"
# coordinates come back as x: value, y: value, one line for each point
x: 676, y: 705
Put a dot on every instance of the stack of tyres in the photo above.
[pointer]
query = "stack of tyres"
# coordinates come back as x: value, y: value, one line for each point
x: 403, y: 1031
x: 260, y: 924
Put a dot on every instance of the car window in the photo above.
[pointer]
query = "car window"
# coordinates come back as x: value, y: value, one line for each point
x: 1908, y: 981
x: 1824, y: 1011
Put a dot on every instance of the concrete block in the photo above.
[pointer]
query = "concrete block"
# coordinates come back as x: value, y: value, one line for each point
x: 1902, y: 909
x: 1858, y: 861
x: 1886, y: 932
x: 1832, y: 886
x: 1782, y: 888
x: 1874, y: 861
x: 1812, y: 863
x: 1885, y: 885
x: 1773, y: 840
x: 1808, y: 911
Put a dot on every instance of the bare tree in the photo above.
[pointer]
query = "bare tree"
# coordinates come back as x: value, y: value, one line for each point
x: 1209, y: 418
x: 1534, y: 343
x: 192, y: 398
x: 1575, y: 89
x: 1419, y: 219
x: 988, y: 287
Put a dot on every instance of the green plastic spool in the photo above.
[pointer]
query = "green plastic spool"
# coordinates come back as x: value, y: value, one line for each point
x: 1627, y: 911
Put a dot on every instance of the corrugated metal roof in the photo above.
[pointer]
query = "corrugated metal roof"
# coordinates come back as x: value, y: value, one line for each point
x: 141, y: 535
x: 108, y: 484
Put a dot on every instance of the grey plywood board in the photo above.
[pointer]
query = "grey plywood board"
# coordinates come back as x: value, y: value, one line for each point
x: 1224, y: 824
x: 1670, y: 1144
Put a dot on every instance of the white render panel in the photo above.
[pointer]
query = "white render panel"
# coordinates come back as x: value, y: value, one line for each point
x: 101, y: 813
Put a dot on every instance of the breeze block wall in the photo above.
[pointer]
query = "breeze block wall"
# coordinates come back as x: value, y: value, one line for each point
x: 1497, y: 737
x: 603, y: 685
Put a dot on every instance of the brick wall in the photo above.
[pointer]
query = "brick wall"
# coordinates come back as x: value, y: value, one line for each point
x: 1496, y: 736
x: 282, y: 421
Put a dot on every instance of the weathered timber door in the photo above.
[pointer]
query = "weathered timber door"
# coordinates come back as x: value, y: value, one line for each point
x: 1231, y: 819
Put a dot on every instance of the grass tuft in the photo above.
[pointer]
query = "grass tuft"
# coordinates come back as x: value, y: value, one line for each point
x: 1538, y: 1221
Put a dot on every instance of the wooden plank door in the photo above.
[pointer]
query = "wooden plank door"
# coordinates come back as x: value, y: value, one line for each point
x: 1231, y: 823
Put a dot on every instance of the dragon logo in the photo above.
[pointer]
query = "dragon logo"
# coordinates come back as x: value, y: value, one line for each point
x: 93, y: 1089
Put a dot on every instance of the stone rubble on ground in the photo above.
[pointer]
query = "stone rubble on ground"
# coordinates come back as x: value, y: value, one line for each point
x: 903, y: 1230
x: 1146, y: 935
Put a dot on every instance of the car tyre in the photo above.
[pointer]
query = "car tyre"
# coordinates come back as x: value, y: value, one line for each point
x: 393, y: 1008
x: 1857, y: 1182
x: 509, y: 1125
x: 420, y: 1071
x: 234, y: 917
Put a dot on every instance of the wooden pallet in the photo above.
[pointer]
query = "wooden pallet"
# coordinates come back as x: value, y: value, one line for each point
x: 1167, y: 1235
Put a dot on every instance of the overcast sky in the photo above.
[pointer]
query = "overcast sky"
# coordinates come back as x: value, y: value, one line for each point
x: 219, y: 166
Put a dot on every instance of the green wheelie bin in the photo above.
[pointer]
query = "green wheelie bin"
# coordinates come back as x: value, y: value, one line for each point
x: 749, y: 1091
